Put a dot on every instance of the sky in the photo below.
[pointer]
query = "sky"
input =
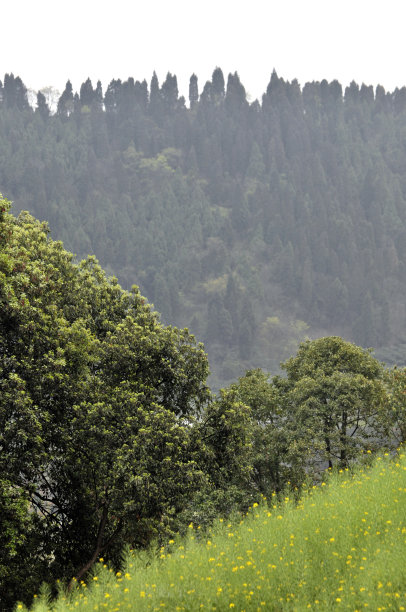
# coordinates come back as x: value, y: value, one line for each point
x: 46, y: 43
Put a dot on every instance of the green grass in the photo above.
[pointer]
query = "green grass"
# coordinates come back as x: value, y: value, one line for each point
x: 342, y: 547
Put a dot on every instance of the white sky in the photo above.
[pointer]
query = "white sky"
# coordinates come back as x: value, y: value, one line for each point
x: 47, y: 42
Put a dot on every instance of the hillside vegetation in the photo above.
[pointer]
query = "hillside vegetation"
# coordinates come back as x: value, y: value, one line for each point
x: 110, y: 437
x: 252, y: 223
x: 341, y: 547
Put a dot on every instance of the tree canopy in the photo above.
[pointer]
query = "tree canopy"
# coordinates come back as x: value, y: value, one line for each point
x: 255, y: 223
x: 335, y: 392
x: 296, y: 202
x: 109, y: 435
x: 95, y: 399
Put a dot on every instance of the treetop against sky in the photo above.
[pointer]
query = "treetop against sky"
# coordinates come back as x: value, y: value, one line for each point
x: 309, y: 41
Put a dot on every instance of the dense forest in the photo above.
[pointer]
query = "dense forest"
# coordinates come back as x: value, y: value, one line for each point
x: 110, y: 437
x: 254, y: 224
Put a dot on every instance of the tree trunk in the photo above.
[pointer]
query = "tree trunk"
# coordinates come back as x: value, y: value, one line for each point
x: 328, y: 450
x: 343, y: 436
x: 97, y: 550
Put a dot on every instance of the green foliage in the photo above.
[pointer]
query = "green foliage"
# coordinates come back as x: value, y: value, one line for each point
x: 299, y: 198
x: 395, y: 380
x: 14, y: 541
x: 342, y: 546
x: 335, y: 391
x: 95, y: 402
x: 223, y: 444
x: 109, y: 436
x: 226, y: 436
x: 254, y: 224
x: 278, y: 458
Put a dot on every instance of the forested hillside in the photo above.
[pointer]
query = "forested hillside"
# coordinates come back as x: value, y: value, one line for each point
x: 252, y: 223
x: 110, y: 437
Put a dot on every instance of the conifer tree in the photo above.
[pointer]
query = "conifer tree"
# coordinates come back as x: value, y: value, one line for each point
x: 169, y: 92
x: 218, y: 84
x: 42, y: 106
x: 193, y: 91
x: 87, y: 94
x: 155, y: 98
x: 112, y: 96
x: 65, y: 102
x: 15, y: 93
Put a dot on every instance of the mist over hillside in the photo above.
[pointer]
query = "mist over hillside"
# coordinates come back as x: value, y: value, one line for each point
x: 254, y: 224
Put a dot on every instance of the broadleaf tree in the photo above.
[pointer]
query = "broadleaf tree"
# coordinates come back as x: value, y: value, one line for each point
x: 395, y: 381
x: 96, y: 401
x: 278, y: 456
x: 334, y: 391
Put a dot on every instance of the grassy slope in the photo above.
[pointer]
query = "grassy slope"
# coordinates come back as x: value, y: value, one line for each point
x: 343, y: 547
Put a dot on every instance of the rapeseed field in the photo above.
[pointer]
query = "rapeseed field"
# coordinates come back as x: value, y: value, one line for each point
x: 343, y: 546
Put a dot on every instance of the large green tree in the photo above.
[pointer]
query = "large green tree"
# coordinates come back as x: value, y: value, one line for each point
x: 334, y: 391
x: 94, y: 397
x: 278, y: 456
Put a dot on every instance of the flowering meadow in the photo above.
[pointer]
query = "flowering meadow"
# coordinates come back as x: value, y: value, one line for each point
x: 343, y: 546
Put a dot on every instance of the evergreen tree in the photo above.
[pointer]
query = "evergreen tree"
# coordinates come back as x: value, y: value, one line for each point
x: 65, y: 102
x: 155, y: 98
x: 87, y: 94
x: 352, y: 92
x: 141, y: 94
x: 193, y: 91
x: 112, y: 96
x: 207, y: 93
x: 42, y: 106
x: 15, y: 93
x: 169, y: 92
x: 97, y: 103
x: 218, y: 84
x: 235, y: 98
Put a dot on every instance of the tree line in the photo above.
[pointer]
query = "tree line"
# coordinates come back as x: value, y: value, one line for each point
x: 253, y: 223
x: 110, y: 437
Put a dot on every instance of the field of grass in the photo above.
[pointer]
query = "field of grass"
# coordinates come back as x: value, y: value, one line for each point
x: 342, y: 547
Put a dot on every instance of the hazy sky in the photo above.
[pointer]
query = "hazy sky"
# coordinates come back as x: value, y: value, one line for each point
x: 47, y: 42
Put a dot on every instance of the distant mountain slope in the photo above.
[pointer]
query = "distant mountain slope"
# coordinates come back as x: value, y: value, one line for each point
x: 252, y: 223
